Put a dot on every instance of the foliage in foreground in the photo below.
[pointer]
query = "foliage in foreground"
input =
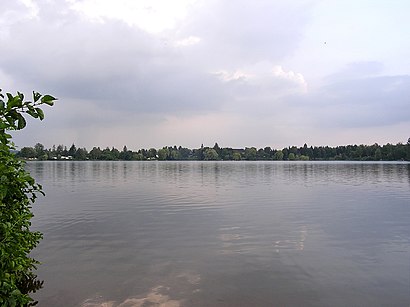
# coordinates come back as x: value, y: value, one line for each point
x: 18, y: 190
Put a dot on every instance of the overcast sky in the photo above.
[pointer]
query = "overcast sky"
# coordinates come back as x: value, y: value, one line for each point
x: 241, y: 73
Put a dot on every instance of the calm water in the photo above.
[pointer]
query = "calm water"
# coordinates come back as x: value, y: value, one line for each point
x: 223, y: 234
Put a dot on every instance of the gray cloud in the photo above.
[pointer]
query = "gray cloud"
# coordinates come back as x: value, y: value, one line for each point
x: 359, y: 102
x: 238, y: 32
x: 220, y: 66
x: 120, y: 66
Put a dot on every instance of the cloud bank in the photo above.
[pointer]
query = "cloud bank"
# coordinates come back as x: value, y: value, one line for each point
x: 191, y: 72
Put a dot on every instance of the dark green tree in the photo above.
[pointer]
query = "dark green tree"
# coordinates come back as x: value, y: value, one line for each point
x: 106, y: 154
x: 95, y: 153
x: 236, y: 156
x: 59, y: 151
x: 250, y: 153
x: 81, y: 154
x: 40, y: 152
x: 125, y: 154
x: 278, y: 155
x: 174, y: 154
x: 163, y: 154
x: 18, y: 191
x: 152, y: 153
x: 408, y: 150
x: 211, y: 154
x: 115, y: 153
x: 184, y: 153
x: 28, y: 152
x: 72, y: 150
x: 292, y: 156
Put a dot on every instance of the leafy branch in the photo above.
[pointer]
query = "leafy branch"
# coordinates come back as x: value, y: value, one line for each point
x: 12, y: 110
x: 18, y: 191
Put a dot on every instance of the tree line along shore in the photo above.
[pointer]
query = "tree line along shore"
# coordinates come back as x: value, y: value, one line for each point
x: 375, y: 152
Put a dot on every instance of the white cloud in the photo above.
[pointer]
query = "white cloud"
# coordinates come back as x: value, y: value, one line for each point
x: 191, y: 40
x: 237, y: 75
x: 290, y: 75
x: 16, y: 12
x: 151, y: 16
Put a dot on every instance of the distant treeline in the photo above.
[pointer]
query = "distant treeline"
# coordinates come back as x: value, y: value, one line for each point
x: 375, y: 152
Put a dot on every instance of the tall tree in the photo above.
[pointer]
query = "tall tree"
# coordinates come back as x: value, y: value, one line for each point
x: 72, y: 150
x: 95, y: 153
x: 39, y: 148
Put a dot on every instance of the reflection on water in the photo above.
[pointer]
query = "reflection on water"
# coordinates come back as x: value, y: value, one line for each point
x: 223, y: 233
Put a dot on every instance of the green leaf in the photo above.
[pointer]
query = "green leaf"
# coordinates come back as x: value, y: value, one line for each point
x: 21, y: 122
x: 48, y: 99
x: 13, y: 114
x: 36, y: 96
x: 13, y: 101
x: 32, y: 113
x: 40, y: 113
x: 21, y: 96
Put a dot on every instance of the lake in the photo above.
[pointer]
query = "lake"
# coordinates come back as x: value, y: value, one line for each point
x: 223, y: 233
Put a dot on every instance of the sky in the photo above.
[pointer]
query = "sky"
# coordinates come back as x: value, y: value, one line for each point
x: 189, y: 72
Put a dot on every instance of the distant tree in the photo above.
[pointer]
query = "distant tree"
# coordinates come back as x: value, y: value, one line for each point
x: 200, y: 153
x: 267, y: 153
x: 303, y: 158
x: 408, y: 150
x: 81, y: 154
x: 250, y: 153
x: 95, y: 153
x: 278, y: 155
x: 184, y: 153
x: 211, y: 154
x: 294, y: 150
x: 260, y: 154
x: 285, y: 152
x: 309, y: 153
x: 106, y: 154
x: 39, y: 148
x: 378, y: 154
x: 72, y: 150
x: 236, y: 156
x: 138, y: 156
x: 226, y: 154
x: 217, y: 149
x: 163, y: 153
x: 28, y: 152
x: 60, y: 151
x: 349, y: 152
x: 304, y: 150
x: 115, y: 153
x: 125, y: 154
x: 52, y: 153
x: 152, y: 153
x: 174, y: 154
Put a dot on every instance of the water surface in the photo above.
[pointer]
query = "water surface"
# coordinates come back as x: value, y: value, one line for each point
x: 223, y: 233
